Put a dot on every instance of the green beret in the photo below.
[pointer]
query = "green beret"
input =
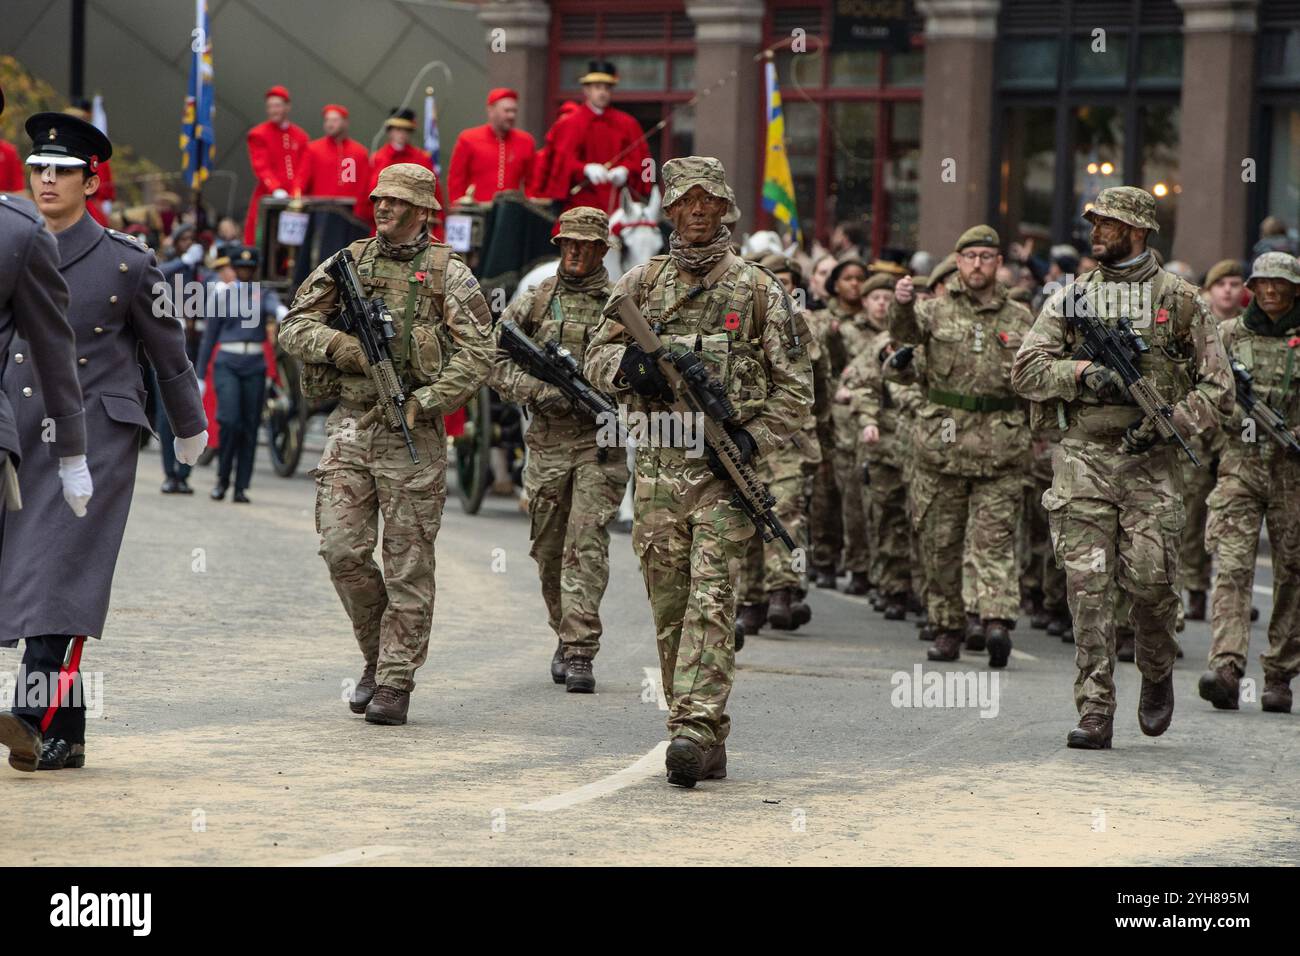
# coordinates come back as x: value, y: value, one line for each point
x: 881, y: 280
x: 1223, y: 269
x: 978, y: 236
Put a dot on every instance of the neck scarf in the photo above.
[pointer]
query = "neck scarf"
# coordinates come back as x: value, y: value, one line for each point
x: 593, y: 283
x: 1258, y: 321
x: 698, y: 260
x: 404, y: 251
x: 1138, y: 269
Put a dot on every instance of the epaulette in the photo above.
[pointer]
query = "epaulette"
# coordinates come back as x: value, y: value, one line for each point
x: 130, y: 240
x: 22, y: 206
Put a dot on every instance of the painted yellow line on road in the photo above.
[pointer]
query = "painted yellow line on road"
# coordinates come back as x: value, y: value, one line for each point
x: 651, y: 765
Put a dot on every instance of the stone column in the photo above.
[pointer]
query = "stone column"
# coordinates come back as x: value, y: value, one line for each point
x: 1214, y: 139
x: 728, y: 35
x: 518, y: 32
x: 956, y: 118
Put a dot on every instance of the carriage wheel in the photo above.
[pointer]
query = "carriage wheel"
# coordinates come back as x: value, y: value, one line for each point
x: 286, y: 416
x: 474, y: 452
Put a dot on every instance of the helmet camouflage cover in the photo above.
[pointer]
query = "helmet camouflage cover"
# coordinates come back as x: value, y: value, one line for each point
x: 1275, y: 265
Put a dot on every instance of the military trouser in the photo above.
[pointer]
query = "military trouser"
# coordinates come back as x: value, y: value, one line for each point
x: 970, y: 575
x: 891, y: 551
x: 827, y: 519
x: 572, y: 498
x: 362, y: 472
x: 1041, y: 573
x: 1116, y: 522
x: 848, y: 478
x: 768, y: 566
x: 690, y: 540
x: 1250, y: 493
x: 944, y: 504
x: 1198, y: 482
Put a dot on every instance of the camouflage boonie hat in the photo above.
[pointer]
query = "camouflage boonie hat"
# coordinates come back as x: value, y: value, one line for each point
x: 679, y: 175
x: 1275, y: 265
x: 978, y: 236
x: 1128, y: 204
x: 582, y: 222
x: 410, y: 182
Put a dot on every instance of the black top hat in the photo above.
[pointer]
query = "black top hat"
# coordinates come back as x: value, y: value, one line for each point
x: 600, y: 71
x: 401, y: 118
x: 62, y: 140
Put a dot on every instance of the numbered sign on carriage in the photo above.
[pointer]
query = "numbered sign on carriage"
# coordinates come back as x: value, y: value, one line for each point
x: 292, y: 228
x: 459, y: 231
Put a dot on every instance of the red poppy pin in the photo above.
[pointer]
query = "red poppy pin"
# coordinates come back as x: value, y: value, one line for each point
x: 94, y: 164
x: 419, y: 276
x: 1162, y: 316
x: 1004, y: 337
x: 1294, y: 341
x: 732, y: 321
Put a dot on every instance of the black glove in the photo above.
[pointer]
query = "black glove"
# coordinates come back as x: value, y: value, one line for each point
x: 1105, y: 383
x: 902, y: 358
x: 744, y: 443
x: 1140, y: 437
x: 643, y: 374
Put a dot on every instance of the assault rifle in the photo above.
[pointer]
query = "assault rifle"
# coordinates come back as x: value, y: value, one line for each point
x: 1273, y: 424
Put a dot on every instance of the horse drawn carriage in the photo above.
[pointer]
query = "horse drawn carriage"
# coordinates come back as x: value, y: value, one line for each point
x: 507, y: 245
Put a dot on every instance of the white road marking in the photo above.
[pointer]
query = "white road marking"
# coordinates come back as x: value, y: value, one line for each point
x: 344, y: 857
x: 1022, y: 656
x: 656, y: 678
x: 1260, y: 589
x: 651, y: 765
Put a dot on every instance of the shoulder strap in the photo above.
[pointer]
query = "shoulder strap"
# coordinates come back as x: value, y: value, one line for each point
x: 542, y: 297
x: 650, y: 275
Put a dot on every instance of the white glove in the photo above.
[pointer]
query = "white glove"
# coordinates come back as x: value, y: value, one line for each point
x: 189, y: 449
x: 193, y: 255
x: 596, y: 173
x: 203, y: 387
x: 618, y: 176
x: 281, y: 194
x: 77, y: 486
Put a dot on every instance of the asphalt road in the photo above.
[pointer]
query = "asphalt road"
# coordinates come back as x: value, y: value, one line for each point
x: 223, y: 737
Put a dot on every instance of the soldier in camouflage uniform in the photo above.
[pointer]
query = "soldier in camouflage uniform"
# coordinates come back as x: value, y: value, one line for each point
x: 848, y: 328
x: 573, y: 486
x: 687, y: 532
x: 773, y: 583
x: 1259, y: 481
x: 443, y: 352
x: 971, y: 436
x: 1114, y: 506
x: 826, y: 519
x: 881, y: 408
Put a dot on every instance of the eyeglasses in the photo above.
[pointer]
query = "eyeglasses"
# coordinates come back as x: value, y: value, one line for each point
x: 978, y: 256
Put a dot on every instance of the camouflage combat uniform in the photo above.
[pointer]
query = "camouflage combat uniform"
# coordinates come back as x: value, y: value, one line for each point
x: 971, y: 437
x: 826, y: 519
x: 886, y: 405
x: 573, y: 486
x: 443, y: 351
x: 1116, y: 518
x: 1259, y: 481
x: 687, y: 533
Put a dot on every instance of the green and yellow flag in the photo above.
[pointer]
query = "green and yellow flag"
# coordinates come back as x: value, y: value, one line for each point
x: 778, y: 183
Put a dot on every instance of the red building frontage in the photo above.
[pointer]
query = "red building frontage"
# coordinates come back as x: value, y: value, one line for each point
x: 918, y: 118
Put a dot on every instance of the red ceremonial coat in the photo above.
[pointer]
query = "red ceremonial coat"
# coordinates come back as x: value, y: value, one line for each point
x: 490, y: 163
x: 13, y: 178
x: 106, y: 191
x: 278, y: 155
x: 583, y: 137
x: 386, y: 156
x: 340, y: 168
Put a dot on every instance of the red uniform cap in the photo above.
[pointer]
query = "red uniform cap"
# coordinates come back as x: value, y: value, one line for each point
x: 279, y: 91
x: 341, y: 110
x: 501, y: 93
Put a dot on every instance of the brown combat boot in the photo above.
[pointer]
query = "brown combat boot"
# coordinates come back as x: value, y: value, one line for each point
x: 364, y: 690
x: 558, y: 670
x: 578, y: 676
x: 388, y: 706
x: 895, y: 607
x: 800, y: 612
x: 1156, y: 705
x: 740, y: 637
x: 1277, y: 695
x: 998, y: 636
x: 947, y: 646
x: 859, y: 584
x: 685, y: 762
x: 779, y: 614
x: 825, y: 578
x: 1125, y: 644
x: 925, y: 633
x: 975, y: 636
x: 752, y: 617
x: 1093, y: 733
x: 1221, y: 686
x: 1195, y: 606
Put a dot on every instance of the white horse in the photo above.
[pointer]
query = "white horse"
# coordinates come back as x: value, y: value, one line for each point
x: 634, y: 238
